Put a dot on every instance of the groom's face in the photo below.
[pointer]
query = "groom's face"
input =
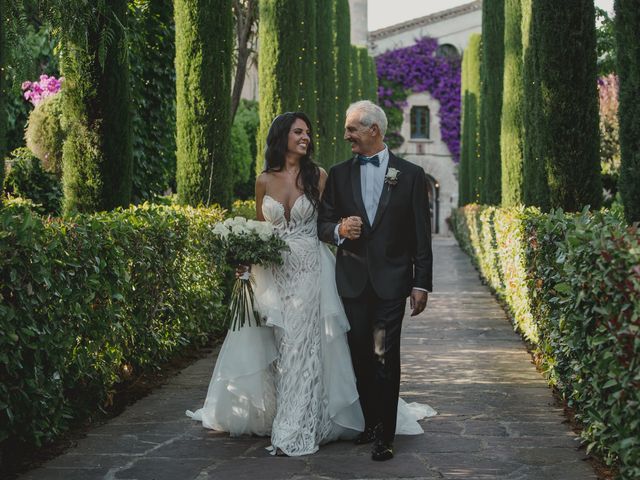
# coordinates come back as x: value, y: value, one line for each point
x: 362, y: 138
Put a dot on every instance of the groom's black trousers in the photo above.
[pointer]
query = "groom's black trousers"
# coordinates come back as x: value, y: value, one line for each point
x: 374, y: 341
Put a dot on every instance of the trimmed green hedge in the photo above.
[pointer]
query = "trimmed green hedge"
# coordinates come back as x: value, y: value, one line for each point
x: 572, y: 285
x: 89, y: 299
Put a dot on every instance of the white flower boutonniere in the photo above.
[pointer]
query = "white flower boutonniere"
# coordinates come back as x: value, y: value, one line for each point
x: 391, y: 178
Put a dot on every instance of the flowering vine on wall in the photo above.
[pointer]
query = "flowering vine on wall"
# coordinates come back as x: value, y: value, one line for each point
x: 418, y: 69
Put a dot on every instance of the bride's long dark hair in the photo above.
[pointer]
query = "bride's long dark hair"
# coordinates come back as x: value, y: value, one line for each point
x: 277, y: 146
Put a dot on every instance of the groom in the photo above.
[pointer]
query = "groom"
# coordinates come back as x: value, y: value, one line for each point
x: 375, y: 209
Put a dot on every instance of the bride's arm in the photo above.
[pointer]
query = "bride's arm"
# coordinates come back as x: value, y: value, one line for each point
x: 261, y: 188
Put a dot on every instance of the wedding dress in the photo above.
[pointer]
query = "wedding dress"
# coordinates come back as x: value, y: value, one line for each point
x: 293, y: 379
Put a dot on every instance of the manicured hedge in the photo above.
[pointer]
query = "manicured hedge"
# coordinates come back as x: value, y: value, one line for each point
x: 89, y: 299
x: 572, y: 285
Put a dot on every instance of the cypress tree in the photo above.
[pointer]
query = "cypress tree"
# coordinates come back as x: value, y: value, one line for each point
x: 343, y: 74
x: 512, y: 121
x: 368, y: 75
x: 97, y: 154
x: 464, y: 190
x: 535, y: 185
x: 308, y: 55
x: 355, y: 81
x: 471, y: 128
x: 373, y: 74
x: 3, y: 90
x: 203, y: 100
x: 627, y: 26
x: 326, y: 84
x: 567, y: 128
x: 279, y: 65
x: 491, y: 107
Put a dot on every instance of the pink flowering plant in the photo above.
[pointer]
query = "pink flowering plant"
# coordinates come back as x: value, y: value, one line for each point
x: 37, y: 91
x: 609, y: 128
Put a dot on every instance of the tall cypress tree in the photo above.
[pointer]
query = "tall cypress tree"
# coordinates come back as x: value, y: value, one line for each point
x: 535, y: 184
x: 97, y: 154
x: 326, y: 84
x: 512, y: 121
x: 463, y: 166
x: 567, y: 128
x: 491, y: 107
x: 203, y: 100
x: 355, y: 82
x: 3, y: 90
x: 471, y: 127
x: 627, y: 26
x: 308, y: 55
x: 373, y: 73
x: 368, y: 75
x: 343, y: 74
x: 279, y: 65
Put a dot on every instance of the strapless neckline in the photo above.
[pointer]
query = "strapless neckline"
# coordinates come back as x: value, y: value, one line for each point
x: 284, y: 208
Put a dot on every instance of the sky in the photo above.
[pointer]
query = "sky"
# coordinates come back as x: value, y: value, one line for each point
x: 383, y: 13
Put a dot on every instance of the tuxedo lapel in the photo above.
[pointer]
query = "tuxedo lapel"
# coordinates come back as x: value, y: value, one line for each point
x: 356, y: 190
x: 385, y: 196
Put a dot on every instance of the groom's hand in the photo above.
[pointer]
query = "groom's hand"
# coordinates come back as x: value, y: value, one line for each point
x: 350, y: 227
x: 418, y: 301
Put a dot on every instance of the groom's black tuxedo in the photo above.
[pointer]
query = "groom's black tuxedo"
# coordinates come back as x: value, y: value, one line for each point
x: 394, y: 253
x: 376, y: 273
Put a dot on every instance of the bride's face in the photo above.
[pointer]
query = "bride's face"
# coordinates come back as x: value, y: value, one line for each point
x: 299, y: 138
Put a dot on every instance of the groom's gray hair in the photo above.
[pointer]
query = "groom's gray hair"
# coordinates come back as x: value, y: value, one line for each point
x: 371, y: 113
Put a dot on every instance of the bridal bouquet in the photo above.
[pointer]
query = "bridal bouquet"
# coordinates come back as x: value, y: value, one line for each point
x: 247, y: 242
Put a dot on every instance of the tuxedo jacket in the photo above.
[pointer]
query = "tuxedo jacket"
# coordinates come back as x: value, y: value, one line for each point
x: 393, y: 253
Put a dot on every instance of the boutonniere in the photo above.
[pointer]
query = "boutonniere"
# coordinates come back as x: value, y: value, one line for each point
x: 391, y: 178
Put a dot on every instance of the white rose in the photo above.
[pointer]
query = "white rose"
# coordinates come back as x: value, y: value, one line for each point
x: 239, y: 229
x: 221, y: 230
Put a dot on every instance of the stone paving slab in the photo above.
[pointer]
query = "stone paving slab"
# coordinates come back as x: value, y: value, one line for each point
x: 497, y: 418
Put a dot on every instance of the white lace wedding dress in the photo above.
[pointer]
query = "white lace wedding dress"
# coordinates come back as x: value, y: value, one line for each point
x: 293, y: 379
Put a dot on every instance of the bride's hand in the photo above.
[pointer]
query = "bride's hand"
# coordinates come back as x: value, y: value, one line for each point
x: 242, y: 269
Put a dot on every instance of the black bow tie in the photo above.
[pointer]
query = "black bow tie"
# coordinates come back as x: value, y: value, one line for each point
x: 372, y: 160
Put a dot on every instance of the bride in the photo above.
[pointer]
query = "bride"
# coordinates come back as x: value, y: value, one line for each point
x: 292, y: 379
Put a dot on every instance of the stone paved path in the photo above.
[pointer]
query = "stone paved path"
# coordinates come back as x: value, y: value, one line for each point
x: 497, y: 418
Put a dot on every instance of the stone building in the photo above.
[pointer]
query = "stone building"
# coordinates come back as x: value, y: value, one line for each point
x: 423, y: 145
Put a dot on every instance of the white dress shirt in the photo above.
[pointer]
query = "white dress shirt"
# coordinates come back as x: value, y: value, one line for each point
x: 371, y: 185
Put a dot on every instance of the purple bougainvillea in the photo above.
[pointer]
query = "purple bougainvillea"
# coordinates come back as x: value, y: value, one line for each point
x: 417, y: 69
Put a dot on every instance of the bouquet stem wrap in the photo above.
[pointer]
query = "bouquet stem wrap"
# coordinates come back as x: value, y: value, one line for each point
x: 242, y: 303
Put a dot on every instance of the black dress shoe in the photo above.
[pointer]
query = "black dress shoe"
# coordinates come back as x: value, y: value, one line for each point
x: 368, y: 436
x: 382, y: 451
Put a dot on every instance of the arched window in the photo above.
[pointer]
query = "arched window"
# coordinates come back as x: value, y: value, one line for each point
x: 420, y: 122
x: 448, y: 51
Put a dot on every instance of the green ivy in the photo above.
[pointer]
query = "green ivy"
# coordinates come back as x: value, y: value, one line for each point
x: 153, y: 96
